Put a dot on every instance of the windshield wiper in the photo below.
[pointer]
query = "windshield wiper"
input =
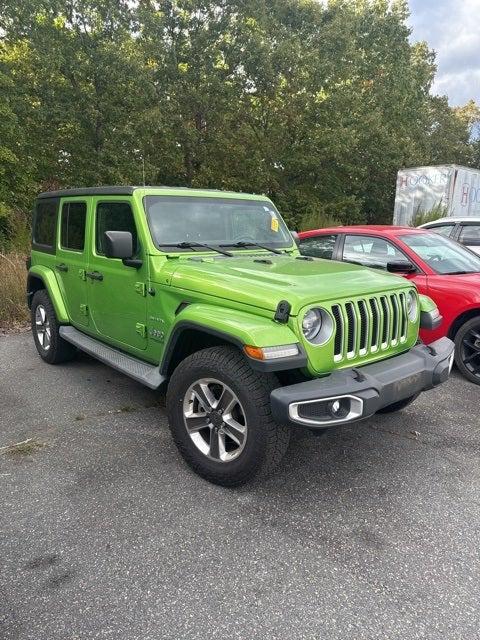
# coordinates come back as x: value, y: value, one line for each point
x: 192, y: 245
x: 244, y: 245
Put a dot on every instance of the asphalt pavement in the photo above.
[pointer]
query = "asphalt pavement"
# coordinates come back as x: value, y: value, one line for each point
x: 371, y: 531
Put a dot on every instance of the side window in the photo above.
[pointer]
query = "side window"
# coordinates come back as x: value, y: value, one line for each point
x: 370, y: 251
x: 113, y: 216
x: 72, y: 227
x: 319, y: 246
x: 45, y: 224
x: 470, y: 235
x: 442, y: 229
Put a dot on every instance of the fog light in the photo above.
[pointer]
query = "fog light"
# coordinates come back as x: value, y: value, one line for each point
x: 339, y: 408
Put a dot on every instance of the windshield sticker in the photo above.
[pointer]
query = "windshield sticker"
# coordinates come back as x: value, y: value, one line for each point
x: 274, y: 226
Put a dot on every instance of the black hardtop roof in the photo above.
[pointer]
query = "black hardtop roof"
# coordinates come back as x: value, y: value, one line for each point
x: 90, y: 191
x: 115, y: 190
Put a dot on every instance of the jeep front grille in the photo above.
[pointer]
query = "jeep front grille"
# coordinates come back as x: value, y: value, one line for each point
x: 369, y: 325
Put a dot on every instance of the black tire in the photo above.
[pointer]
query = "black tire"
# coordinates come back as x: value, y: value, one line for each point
x: 265, y: 442
x: 58, y: 350
x: 398, y: 406
x: 467, y: 350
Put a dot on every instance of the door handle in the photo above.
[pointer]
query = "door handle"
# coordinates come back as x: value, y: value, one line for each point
x: 94, y: 275
x: 61, y: 267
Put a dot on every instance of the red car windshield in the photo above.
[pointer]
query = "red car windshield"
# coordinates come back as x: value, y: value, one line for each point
x: 442, y: 254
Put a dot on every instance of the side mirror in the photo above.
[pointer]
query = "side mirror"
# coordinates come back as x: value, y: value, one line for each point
x: 294, y: 235
x: 401, y: 266
x: 118, y: 244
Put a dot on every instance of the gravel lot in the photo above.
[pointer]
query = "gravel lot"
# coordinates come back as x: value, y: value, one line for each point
x: 371, y: 531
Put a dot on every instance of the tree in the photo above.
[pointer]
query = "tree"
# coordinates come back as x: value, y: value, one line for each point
x: 317, y: 105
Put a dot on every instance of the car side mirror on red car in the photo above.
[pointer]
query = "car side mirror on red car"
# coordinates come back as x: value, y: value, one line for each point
x: 401, y: 266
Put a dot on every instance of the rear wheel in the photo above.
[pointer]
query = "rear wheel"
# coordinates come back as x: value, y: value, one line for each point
x: 45, y: 328
x: 467, y: 350
x: 220, y: 419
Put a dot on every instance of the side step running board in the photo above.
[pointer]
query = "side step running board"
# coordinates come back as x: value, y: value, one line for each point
x: 147, y: 374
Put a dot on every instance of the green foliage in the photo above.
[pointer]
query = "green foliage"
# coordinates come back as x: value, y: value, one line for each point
x: 422, y: 217
x: 317, y: 105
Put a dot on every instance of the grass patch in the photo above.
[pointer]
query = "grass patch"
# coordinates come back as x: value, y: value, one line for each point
x: 24, y: 448
x: 13, y: 281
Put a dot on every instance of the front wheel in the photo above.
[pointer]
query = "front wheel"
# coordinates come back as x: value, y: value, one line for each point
x: 220, y: 419
x: 467, y: 350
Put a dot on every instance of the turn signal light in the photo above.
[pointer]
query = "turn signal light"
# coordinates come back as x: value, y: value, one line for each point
x: 271, y: 353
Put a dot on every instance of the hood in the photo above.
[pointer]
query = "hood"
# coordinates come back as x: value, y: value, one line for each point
x: 264, y: 280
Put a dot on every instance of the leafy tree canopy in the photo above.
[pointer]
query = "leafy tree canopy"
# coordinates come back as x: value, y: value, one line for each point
x: 316, y: 105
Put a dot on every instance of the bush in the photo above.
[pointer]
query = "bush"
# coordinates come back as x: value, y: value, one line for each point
x: 318, y: 220
x: 13, y: 277
x: 422, y: 217
x: 332, y: 214
x: 14, y: 230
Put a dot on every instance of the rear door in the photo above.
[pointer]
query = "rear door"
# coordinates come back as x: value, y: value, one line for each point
x: 71, y: 258
x: 117, y: 293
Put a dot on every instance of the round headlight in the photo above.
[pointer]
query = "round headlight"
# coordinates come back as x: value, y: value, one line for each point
x: 317, y: 326
x: 412, y: 306
x: 311, y: 324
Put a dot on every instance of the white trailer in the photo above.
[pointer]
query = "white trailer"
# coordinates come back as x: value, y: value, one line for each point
x: 451, y: 186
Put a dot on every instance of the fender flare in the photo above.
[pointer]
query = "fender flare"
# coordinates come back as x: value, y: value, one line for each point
x: 239, y: 328
x: 50, y: 283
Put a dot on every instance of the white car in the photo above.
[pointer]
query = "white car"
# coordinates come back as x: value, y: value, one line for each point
x: 463, y: 230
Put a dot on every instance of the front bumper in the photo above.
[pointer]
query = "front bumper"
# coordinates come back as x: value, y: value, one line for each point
x: 353, y: 394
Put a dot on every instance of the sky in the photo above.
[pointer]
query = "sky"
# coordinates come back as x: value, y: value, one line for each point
x: 452, y: 29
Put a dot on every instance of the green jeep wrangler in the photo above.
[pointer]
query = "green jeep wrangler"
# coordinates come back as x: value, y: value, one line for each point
x: 206, y: 292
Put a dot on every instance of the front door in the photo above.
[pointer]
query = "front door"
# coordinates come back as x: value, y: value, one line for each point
x: 71, y: 259
x: 117, y: 293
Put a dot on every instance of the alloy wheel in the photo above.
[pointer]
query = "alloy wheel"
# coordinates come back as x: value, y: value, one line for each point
x: 42, y: 327
x: 215, y: 419
x: 471, y: 350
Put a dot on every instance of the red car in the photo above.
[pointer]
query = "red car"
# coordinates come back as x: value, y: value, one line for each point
x: 441, y: 268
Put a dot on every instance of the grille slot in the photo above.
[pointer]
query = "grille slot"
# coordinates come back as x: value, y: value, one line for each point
x: 403, y: 315
x: 386, y: 321
x: 351, y: 328
x: 395, y: 319
x: 367, y: 325
x: 337, y: 314
x: 362, y: 310
x: 375, y: 324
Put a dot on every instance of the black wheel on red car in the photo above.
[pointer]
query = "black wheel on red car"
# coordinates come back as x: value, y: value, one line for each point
x: 467, y: 350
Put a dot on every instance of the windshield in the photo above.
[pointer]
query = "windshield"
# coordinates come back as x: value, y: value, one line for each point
x: 442, y: 254
x: 215, y: 221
